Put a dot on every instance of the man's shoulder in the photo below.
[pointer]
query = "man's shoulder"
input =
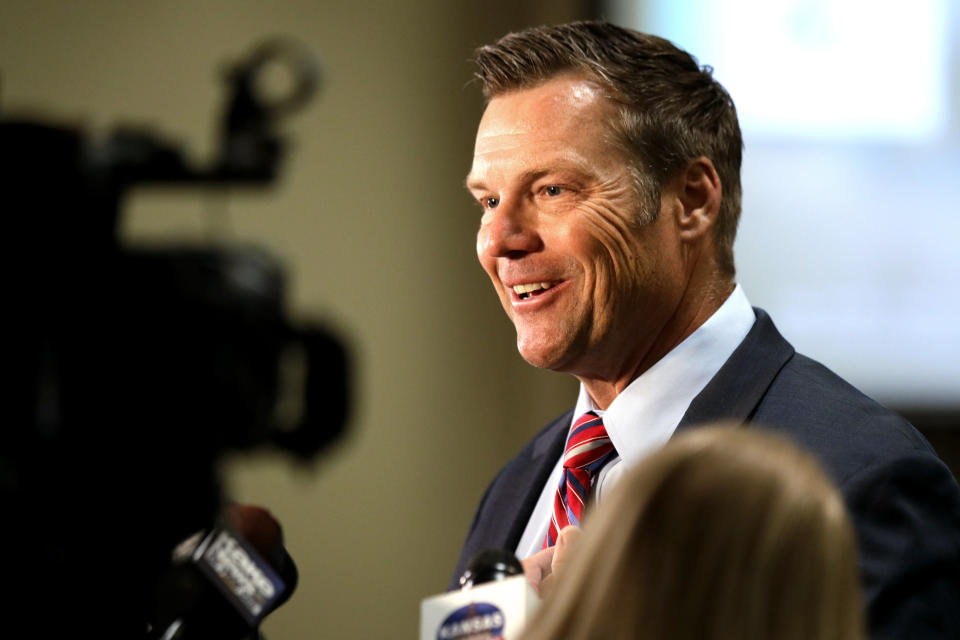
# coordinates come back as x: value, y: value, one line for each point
x: 766, y: 382
x: 904, y: 501
x: 849, y: 430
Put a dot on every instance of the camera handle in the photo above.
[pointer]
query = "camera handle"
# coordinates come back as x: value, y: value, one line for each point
x: 324, y: 372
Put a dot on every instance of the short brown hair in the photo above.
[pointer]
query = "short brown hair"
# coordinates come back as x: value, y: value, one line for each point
x: 671, y: 109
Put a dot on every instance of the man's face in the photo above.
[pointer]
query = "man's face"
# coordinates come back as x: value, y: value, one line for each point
x: 588, y: 289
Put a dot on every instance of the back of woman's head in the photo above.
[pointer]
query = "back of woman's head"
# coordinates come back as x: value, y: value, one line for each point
x: 726, y: 532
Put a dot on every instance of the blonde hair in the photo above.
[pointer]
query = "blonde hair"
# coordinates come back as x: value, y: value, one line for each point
x: 726, y: 532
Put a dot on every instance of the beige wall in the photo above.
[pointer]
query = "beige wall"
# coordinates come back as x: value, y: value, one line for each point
x: 377, y: 232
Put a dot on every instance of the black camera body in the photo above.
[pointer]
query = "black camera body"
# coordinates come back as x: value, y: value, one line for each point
x: 134, y: 369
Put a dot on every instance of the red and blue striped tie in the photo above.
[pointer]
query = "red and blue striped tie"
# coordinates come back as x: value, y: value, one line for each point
x: 588, y: 449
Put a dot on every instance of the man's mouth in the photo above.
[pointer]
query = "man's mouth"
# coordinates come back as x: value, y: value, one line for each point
x: 530, y: 289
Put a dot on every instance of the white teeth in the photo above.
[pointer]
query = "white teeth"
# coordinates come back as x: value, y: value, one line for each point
x: 521, y: 289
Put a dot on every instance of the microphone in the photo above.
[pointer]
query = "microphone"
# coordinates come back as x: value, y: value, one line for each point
x: 223, y: 581
x: 494, y: 601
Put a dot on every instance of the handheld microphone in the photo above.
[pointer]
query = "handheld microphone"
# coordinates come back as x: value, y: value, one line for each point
x: 225, y: 580
x: 494, y: 601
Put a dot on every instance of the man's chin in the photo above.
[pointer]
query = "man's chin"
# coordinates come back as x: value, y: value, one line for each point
x: 543, y: 357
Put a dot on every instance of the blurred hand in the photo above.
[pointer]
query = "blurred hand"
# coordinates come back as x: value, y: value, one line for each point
x: 542, y: 568
x: 538, y: 566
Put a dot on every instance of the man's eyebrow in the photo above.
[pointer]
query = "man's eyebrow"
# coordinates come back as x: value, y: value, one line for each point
x: 559, y: 170
x: 471, y: 183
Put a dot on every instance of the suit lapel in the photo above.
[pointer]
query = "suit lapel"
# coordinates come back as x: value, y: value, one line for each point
x: 510, y: 499
x: 529, y: 478
x: 523, y: 483
x: 744, y: 378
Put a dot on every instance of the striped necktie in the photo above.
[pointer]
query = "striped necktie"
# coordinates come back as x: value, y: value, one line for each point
x: 588, y: 449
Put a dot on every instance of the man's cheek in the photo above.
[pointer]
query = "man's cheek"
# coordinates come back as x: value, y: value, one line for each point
x: 607, y: 229
x: 610, y: 253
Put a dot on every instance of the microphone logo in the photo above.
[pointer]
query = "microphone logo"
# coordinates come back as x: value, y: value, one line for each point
x: 477, y: 621
x: 239, y: 573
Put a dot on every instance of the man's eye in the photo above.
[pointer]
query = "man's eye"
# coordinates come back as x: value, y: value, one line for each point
x: 491, y: 203
x: 553, y: 190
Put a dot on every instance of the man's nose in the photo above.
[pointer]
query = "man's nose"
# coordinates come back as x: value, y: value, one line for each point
x: 511, y: 232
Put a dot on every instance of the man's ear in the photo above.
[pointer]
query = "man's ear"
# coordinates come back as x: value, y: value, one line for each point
x: 699, y: 191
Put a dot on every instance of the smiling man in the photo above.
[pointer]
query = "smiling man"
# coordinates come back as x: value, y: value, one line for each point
x: 607, y: 168
x: 598, y: 282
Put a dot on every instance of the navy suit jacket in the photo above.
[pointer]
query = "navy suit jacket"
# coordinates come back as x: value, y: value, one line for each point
x: 904, y: 501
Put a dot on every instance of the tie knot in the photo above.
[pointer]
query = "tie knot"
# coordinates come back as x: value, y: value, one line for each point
x: 588, y: 446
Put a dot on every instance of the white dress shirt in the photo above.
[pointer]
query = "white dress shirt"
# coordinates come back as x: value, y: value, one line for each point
x: 646, y: 413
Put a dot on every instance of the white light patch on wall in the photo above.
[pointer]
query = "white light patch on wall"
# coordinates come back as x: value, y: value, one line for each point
x: 848, y: 69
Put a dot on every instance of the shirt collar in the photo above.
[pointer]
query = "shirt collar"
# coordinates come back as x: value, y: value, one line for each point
x: 647, y: 412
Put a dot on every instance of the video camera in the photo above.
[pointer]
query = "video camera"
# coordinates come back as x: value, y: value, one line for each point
x: 132, y: 370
